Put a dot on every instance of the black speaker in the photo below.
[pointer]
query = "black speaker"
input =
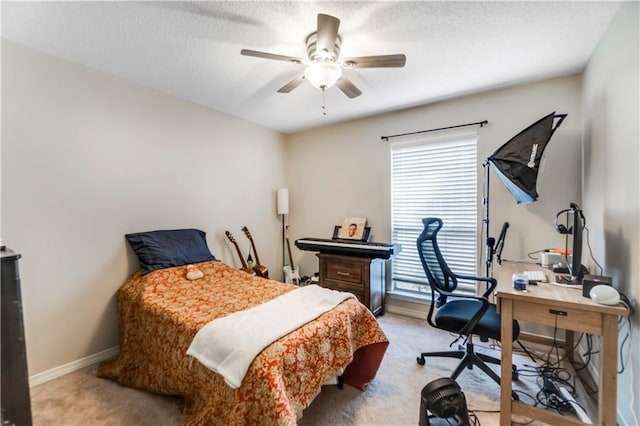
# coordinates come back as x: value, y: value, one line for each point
x: 590, y: 281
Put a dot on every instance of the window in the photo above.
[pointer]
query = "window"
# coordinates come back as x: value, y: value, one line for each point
x: 434, y: 176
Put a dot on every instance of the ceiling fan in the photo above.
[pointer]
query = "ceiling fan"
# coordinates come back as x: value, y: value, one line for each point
x: 323, y: 65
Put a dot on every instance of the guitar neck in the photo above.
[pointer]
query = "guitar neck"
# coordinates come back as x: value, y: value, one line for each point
x: 255, y: 252
x: 244, y: 263
x: 257, y: 268
x: 290, y: 255
x: 235, y: 244
x: 253, y: 245
x: 292, y: 268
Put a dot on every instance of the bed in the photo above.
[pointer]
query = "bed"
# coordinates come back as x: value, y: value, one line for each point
x: 161, y: 311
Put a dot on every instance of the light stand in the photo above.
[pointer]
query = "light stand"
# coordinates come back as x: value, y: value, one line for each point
x: 282, y: 208
x: 490, y: 241
x: 493, y: 247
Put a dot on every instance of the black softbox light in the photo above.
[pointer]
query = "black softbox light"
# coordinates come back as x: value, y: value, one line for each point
x: 517, y: 162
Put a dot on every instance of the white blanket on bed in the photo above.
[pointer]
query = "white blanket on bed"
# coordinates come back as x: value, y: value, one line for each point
x: 228, y: 345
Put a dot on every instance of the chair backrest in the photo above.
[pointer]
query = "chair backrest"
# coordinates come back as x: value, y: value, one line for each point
x: 438, y: 273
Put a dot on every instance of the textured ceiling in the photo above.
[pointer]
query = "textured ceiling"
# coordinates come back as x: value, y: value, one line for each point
x: 192, y: 49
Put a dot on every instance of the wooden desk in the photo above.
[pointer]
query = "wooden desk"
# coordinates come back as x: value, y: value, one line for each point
x: 561, y: 307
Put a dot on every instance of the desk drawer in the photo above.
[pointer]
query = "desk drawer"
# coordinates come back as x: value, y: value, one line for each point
x: 345, y: 272
x: 558, y: 316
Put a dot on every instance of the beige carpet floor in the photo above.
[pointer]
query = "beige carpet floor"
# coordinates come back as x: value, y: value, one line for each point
x: 393, y: 398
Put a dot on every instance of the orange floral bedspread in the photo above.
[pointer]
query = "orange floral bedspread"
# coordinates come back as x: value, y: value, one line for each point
x: 161, y: 312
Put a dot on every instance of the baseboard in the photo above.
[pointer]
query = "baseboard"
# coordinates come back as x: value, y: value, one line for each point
x: 406, y: 304
x: 76, y: 365
x: 539, y: 339
x: 401, y: 310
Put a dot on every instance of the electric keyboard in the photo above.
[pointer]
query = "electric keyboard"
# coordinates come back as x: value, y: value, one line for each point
x: 349, y: 247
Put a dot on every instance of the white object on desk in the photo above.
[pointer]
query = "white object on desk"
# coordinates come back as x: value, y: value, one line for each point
x: 538, y: 276
x: 605, y: 295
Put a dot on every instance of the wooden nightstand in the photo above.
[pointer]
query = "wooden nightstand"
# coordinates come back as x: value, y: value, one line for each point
x: 362, y: 276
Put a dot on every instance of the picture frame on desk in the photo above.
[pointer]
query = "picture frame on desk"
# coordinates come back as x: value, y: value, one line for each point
x: 339, y: 235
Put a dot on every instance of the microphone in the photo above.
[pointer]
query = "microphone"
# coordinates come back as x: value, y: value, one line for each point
x: 500, y: 243
x: 490, y: 251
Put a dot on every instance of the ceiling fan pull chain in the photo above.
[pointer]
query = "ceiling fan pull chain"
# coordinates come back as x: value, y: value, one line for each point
x: 324, y: 101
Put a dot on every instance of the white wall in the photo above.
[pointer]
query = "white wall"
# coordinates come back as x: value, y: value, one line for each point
x: 344, y: 170
x: 86, y: 158
x: 612, y: 180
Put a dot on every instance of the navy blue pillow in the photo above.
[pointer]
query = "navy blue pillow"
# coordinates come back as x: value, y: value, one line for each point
x: 164, y: 249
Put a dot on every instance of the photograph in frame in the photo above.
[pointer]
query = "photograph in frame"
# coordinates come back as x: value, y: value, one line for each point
x: 353, y: 228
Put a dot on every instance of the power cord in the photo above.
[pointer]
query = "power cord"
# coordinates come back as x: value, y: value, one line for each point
x: 627, y: 303
x: 473, y: 419
x: 590, y: 387
x: 591, y: 252
x: 529, y: 255
x: 552, y: 378
x: 549, y: 380
x: 632, y: 397
x: 626, y: 338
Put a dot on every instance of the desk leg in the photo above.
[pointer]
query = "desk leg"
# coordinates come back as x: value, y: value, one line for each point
x: 608, y: 371
x: 506, y: 342
x: 568, y: 344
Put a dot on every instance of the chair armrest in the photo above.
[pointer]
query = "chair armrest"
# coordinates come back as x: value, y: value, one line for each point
x: 493, y: 283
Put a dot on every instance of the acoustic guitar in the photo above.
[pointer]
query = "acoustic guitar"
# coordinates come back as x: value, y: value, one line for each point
x: 244, y: 268
x: 261, y: 270
x: 291, y: 271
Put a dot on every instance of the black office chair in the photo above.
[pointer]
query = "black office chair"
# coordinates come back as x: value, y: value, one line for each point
x: 464, y: 314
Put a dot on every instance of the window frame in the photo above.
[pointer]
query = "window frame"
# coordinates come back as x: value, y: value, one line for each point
x: 407, y: 268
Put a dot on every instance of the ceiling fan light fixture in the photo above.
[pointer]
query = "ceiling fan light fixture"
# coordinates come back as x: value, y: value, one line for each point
x: 323, y: 65
x: 323, y: 75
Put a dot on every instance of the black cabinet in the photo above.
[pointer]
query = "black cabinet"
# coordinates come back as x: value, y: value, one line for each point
x: 16, y: 403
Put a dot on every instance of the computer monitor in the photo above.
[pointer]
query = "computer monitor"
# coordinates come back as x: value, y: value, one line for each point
x: 576, y: 223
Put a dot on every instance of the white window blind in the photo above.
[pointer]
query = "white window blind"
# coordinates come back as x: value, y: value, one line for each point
x: 434, y: 176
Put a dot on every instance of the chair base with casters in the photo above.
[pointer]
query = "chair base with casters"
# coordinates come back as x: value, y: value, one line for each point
x: 469, y: 358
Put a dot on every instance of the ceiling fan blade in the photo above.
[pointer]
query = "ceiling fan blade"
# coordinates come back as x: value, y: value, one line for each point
x: 348, y: 88
x: 327, y: 32
x: 292, y: 84
x: 265, y: 55
x: 381, y: 61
